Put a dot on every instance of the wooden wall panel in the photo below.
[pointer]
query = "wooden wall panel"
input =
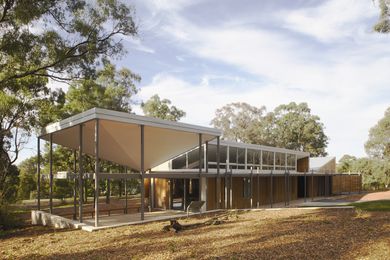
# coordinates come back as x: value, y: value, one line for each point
x: 303, y: 164
x: 211, y: 193
x: 161, y: 193
x: 345, y: 183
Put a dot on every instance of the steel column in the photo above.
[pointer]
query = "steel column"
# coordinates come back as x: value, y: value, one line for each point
x: 312, y: 185
x: 126, y: 206
x: 184, y: 194
x: 51, y: 173
x: 271, y: 189
x: 218, y: 180
x: 200, y: 167
x: 97, y: 169
x: 81, y: 173
x: 39, y: 173
x: 285, y: 188
x: 251, y: 186
x: 304, y: 189
x: 74, y: 185
x: 142, y: 172
x: 258, y: 190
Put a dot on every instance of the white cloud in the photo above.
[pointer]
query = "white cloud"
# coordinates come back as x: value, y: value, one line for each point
x: 331, y: 20
x: 336, y: 78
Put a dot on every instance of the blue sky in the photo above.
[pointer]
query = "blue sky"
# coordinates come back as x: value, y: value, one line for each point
x: 204, y: 54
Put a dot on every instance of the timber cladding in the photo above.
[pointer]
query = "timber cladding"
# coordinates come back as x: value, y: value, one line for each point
x: 161, y: 193
x: 303, y: 164
x: 261, y: 191
x: 211, y: 193
x: 344, y: 183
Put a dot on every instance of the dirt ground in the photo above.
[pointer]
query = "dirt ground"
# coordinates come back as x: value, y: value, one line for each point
x: 382, y: 195
x: 264, y: 234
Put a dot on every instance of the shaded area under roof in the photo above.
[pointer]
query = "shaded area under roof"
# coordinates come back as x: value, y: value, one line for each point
x: 120, y: 136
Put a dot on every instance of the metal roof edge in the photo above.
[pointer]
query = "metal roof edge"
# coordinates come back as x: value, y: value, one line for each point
x: 125, y: 118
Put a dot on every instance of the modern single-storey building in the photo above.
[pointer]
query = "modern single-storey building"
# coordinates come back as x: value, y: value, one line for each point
x: 177, y: 163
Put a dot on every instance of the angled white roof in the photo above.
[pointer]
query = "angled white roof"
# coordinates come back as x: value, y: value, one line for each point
x: 120, y: 136
x: 318, y: 162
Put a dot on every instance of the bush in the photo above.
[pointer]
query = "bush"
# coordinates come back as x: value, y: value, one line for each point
x: 8, y: 220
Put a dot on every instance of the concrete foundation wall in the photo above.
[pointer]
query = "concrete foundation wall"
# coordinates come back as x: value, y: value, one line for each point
x: 46, y: 219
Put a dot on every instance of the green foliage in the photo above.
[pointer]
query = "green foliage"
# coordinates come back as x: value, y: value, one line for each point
x: 240, y: 122
x: 27, y: 178
x: 375, y: 172
x: 383, y: 24
x: 111, y: 89
x: 290, y: 126
x: 9, y: 185
x: 378, y: 144
x: 346, y: 164
x: 296, y: 128
x: 155, y: 107
x: 8, y: 220
x: 58, y: 40
x: 379, y: 205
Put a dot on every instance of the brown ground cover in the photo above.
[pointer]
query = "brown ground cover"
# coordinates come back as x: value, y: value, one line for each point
x: 271, y: 234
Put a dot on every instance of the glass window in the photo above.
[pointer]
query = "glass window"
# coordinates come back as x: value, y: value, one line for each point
x: 241, y: 158
x: 232, y: 155
x: 212, y: 153
x: 179, y: 162
x: 268, y: 160
x: 193, y: 159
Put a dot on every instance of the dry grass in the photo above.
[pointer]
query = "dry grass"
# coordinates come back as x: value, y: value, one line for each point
x: 287, y: 233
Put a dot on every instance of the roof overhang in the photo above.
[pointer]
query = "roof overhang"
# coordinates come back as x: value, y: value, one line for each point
x: 120, y: 136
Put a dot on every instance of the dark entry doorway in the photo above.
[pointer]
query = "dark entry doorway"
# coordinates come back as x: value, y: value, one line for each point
x: 301, y: 186
x: 183, y: 192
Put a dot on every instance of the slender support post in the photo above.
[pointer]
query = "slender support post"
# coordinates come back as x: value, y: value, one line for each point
x: 51, y: 173
x: 207, y: 157
x: 97, y: 169
x: 312, y: 185
x: 288, y: 188
x: 108, y: 194
x: 258, y: 190
x: 39, y: 173
x: 226, y: 189
x: 200, y: 167
x: 74, y: 185
x: 304, y: 189
x: 251, y: 185
x: 184, y: 194
x: 153, y: 181
x: 142, y: 172
x: 285, y: 188
x: 231, y: 188
x: 150, y: 200
x: 126, y: 206
x: 218, y: 181
x: 271, y: 189
x: 170, y: 204
x: 81, y: 173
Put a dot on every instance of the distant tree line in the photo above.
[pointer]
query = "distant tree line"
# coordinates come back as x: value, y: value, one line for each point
x: 290, y: 126
x: 375, y: 168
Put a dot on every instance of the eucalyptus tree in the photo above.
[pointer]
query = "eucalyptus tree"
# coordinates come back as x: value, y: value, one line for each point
x: 163, y: 109
x: 47, y: 41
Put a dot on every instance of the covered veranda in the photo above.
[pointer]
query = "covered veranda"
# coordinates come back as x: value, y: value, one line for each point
x: 136, y: 142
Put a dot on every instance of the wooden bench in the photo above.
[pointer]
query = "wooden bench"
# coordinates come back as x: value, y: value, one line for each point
x: 195, y: 206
